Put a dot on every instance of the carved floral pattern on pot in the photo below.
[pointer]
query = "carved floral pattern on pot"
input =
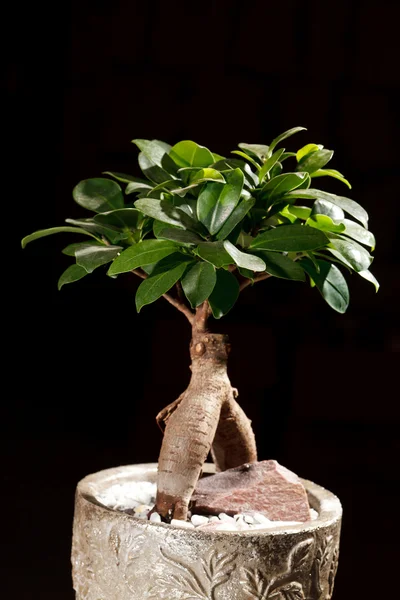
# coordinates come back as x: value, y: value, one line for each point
x: 262, y: 585
x: 194, y: 583
x: 326, y: 558
x: 113, y: 559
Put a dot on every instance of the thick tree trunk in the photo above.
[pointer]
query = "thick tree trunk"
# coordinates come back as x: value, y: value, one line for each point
x: 205, y: 414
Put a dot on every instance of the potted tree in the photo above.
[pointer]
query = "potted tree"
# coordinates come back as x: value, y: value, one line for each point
x: 198, y: 229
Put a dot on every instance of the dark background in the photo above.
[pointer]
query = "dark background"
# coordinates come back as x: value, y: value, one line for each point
x: 87, y: 375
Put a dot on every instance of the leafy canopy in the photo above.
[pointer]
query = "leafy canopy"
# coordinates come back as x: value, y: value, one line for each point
x: 211, y: 223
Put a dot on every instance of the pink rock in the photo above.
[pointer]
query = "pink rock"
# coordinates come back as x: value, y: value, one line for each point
x: 265, y: 487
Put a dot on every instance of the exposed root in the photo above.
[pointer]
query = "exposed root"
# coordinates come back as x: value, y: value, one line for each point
x: 205, y: 415
x: 165, y: 413
x: 234, y: 442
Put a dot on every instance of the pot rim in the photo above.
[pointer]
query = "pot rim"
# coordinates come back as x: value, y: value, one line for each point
x: 322, y: 500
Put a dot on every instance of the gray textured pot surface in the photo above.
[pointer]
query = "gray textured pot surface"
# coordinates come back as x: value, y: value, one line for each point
x: 116, y: 556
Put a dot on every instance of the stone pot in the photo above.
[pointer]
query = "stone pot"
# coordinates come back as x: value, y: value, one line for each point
x: 116, y: 556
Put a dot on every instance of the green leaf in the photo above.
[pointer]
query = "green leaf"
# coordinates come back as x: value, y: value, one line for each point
x: 235, y: 218
x: 330, y: 282
x: 312, y: 257
x: 283, y: 136
x: 183, y: 190
x: 45, y: 232
x: 123, y: 218
x: 247, y: 273
x: 164, y: 211
x: 355, y: 231
x: 125, y: 178
x: 322, y: 207
x: 357, y: 256
x: 208, y: 175
x: 113, y: 234
x: 98, y: 194
x: 235, y: 234
x: 369, y: 277
x: 301, y: 212
x: 251, y: 179
x: 325, y: 223
x: 143, y: 253
x: 154, y: 150
x: 290, y: 238
x: 217, y: 201
x: 224, y: 294
x: 149, y: 268
x: 214, y: 253
x: 152, y: 171
x: 187, y: 205
x: 244, y: 260
x: 281, y: 266
x: 331, y: 173
x: 190, y: 154
x: 307, y: 149
x: 285, y: 214
x: 91, y: 257
x: 281, y: 184
x: 349, y: 206
x: 314, y: 161
x: 198, y: 283
x: 73, y: 273
x: 247, y: 157
x: 135, y: 186
x: 72, y: 248
x: 340, y: 261
x: 176, y: 235
x: 157, y: 152
x: 167, y: 272
x: 276, y: 170
x: 267, y: 166
x: 352, y: 208
x: 258, y: 150
x: 207, y: 201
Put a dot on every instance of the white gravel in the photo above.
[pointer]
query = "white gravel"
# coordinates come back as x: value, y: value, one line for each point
x: 138, y: 498
x: 199, y: 520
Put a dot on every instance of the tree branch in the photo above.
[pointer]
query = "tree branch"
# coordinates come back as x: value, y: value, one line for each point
x: 202, y: 315
x: 248, y: 282
x: 139, y: 273
x: 179, y: 291
x: 181, y: 306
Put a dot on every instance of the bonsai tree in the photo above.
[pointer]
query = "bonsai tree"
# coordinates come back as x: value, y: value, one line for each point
x: 199, y: 229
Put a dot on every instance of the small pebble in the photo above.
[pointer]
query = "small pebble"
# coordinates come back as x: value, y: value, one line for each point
x: 313, y: 514
x: 226, y: 518
x: 248, y: 519
x: 142, y: 509
x: 214, y: 520
x: 155, y: 517
x: 198, y: 520
x: 241, y: 525
x: 182, y: 524
x: 260, y: 519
